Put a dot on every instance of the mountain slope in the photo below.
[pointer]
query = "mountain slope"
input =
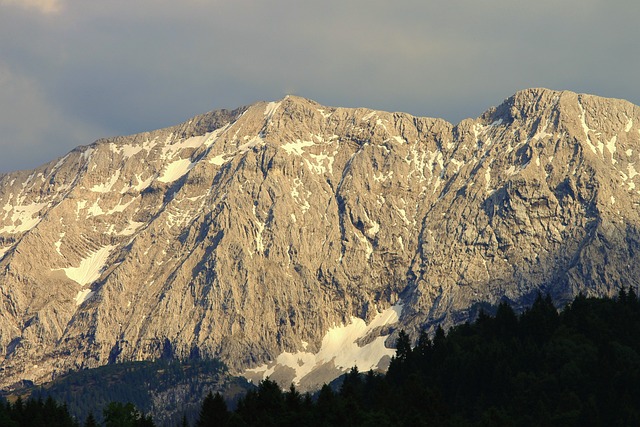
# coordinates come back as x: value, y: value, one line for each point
x: 272, y: 233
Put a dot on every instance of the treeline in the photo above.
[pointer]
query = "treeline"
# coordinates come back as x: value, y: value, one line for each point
x: 36, y: 412
x: 579, y: 367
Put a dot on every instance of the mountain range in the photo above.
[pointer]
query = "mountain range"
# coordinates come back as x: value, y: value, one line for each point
x: 295, y: 240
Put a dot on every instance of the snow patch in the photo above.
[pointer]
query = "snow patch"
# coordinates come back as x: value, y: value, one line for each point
x: 90, y: 267
x: 130, y: 150
x: 219, y: 160
x: 296, y: 147
x: 340, y: 346
x: 176, y: 170
x: 319, y: 166
x: 629, y: 125
x: 95, y: 209
x: 22, y: 218
x: 170, y: 150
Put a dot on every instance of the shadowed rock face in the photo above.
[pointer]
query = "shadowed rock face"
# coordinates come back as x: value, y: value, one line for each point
x: 252, y: 233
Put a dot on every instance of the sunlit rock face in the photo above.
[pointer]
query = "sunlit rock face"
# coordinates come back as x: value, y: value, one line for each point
x: 294, y: 240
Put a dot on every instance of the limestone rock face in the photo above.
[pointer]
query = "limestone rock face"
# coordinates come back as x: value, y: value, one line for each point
x: 282, y: 228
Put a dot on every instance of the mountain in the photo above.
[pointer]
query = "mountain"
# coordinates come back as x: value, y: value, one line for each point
x: 293, y: 240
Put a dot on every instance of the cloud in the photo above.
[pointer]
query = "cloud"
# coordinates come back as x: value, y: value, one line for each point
x: 46, y: 7
x: 32, y: 130
x: 120, y: 67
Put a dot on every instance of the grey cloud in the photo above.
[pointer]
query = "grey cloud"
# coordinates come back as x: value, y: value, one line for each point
x: 122, y: 67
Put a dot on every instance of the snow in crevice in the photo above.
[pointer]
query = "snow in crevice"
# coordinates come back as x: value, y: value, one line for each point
x: 82, y: 296
x: 3, y: 251
x: 487, y: 178
x: 586, y: 129
x: 121, y: 207
x: 381, y: 177
x: 131, y: 228
x: 324, y: 113
x: 611, y: 146
x: 629, y: 125
x: 106, y: 186
x: 542, y: 133
x: 143, y: 183
x: 368, y: 248
x: 458, y: 164
x: 296, y: 194
x: 340, y: 346
x: 373, y: 229
x: 323, y: 163
x: 368, y: 116
x: 403, y: 215
x: 259, y: 230
x: 58, y: 244
x: 131, y: 150
x: 270, y: 109
x: 170, y: 150
x: 379, y: 122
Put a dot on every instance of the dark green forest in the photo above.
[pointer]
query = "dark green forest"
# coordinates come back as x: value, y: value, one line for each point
x: 577, y: 367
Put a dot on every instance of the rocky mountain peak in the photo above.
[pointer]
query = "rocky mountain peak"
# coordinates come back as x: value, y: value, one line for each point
x: 294, y: 240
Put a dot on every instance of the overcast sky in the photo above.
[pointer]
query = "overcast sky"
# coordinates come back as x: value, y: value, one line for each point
x: 73, y: 71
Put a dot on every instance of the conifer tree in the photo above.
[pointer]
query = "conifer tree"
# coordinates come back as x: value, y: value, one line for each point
x: 90, y: 421
x: 213, y: 412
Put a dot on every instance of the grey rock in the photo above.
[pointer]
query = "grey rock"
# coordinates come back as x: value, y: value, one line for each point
x: 251, y: 233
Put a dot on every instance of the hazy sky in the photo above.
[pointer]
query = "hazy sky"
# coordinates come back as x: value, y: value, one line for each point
x: 73, y: 71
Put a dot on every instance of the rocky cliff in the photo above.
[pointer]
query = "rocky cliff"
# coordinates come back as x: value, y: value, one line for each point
x: 292, y: 239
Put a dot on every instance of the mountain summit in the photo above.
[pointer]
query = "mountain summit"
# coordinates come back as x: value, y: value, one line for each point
x: 292, y: 239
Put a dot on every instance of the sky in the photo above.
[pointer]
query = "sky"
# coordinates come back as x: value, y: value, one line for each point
x: 73, y: 71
